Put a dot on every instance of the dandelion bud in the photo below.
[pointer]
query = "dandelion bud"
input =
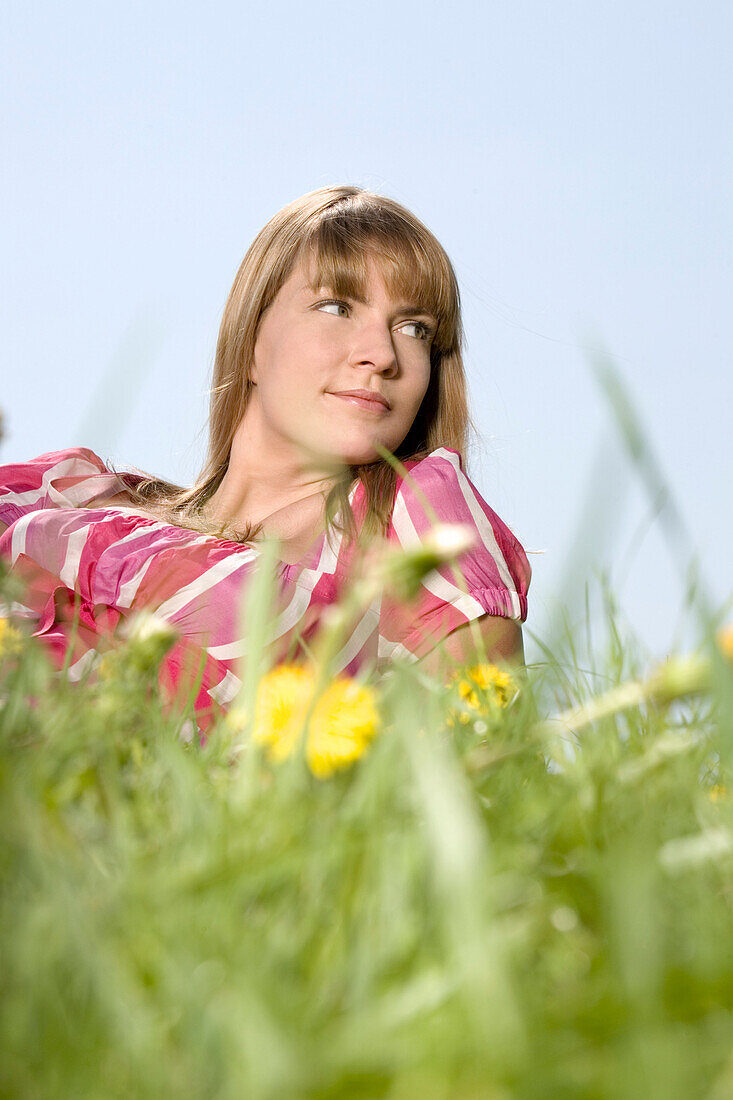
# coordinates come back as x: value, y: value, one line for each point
x: 688, y: 675
x: 149, y: 638
x: 404, y: 569
x: 450, y: 540
x: 679, y: 676
x: 687, y: 852
x: 144, y: 626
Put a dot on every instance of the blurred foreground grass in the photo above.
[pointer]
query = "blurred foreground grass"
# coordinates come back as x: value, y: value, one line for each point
x: 498, y: 898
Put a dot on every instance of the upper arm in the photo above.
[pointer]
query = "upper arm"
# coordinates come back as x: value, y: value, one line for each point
x: 473, y: 606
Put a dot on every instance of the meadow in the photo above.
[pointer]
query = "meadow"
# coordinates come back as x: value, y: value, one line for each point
x: 494, y: 885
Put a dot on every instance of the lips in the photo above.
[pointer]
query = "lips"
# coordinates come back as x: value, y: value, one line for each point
x: 368, y: 399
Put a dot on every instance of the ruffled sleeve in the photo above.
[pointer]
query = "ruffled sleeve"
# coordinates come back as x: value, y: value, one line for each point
x: 492, y: 578
x: 54, y: 479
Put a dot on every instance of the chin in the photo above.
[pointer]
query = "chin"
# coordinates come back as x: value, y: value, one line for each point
x: 358, y: 448
x: 361, y: 455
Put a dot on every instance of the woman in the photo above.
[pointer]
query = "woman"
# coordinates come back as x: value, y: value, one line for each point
x: 341, y: 336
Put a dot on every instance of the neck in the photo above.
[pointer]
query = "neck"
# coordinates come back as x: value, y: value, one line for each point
x: 265, y: 475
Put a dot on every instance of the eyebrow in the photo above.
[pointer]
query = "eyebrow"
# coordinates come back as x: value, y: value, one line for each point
x: 403, y: 311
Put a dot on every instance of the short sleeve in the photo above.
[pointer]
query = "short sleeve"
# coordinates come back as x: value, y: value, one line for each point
x: 492, y: 578
x: 50, y: 480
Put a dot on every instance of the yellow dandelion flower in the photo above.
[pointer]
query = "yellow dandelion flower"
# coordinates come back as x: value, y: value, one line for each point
x: 725, y: 641
x: 11, y: 639
x: 105, y: 667
x: 500, y: 685
x: 482, y: 687
x: 343, y: 722
x: 283, y: 697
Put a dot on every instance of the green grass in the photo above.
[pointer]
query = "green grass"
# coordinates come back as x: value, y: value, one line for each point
x: 467, y: 912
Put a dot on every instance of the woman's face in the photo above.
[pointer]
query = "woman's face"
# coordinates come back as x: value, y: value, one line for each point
x: 311, y: 349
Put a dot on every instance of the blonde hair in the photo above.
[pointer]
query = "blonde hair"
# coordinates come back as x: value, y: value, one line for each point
x: 336, y: 228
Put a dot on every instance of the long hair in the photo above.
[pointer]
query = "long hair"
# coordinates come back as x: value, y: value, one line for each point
x: 335, y: 228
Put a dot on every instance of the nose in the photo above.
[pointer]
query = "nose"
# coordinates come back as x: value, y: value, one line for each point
x: 374, y: 350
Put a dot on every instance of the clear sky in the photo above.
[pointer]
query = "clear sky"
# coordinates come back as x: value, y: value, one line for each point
x: 575, y: 160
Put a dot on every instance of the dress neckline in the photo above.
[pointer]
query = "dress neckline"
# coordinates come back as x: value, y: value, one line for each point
x: 310, y: 559
x: 314, y: 551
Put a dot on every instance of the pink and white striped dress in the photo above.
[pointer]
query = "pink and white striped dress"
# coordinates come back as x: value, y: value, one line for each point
x: 111, y: 562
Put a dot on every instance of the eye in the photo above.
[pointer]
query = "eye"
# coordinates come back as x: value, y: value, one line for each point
x: 332, y: 303
x: 425, y: 331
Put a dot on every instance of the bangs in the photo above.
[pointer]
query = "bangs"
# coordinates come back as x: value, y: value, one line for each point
x: 415, y: 271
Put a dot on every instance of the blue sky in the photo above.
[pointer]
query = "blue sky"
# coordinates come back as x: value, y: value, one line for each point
x: 573, y: 159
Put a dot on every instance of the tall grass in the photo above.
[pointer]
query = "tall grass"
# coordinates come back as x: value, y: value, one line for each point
x: 505, y: 906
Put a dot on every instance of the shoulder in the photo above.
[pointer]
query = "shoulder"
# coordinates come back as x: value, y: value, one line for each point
x: 436, y: 489
x: 67, y: 460
x: 435, y: 466
x: 26, y: 486
x: 439, y: 480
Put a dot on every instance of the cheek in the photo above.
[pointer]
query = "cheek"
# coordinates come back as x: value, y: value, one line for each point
x: 307, y: 364
x: 419, y: 391
x: 293, y: 371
